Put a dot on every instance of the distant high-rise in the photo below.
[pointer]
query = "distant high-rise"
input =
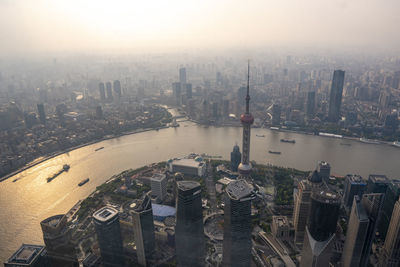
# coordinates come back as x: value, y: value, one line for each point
x: 102, y: 92
x: 57, y: 238
x: 335, y: 100
x: 143, y: 229
x: 247, y: 120
x: 28, y: 256
x: 391, y: 248
x: 182, y: 76
x: 353, y: 185
x: 189, y: 231
x: 189, y: 93
x: 276, y: 115
x: 42, y: 114
x: 117, y: 88
x: 302, y: 202
x: 321, y: 227
x: 159, y: 185
x: 310, y: 104
x: 176, y: 90
x: 99, y: 112
x: 377, y: 183
x: 361, y: 229
x: 109, y: 91
x: 237, y: 224
x: 391, y: 196
x: 235, y: 158
x: 108, y: 231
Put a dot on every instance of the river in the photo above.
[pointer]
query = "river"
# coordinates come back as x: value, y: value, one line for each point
x: 31, y: 199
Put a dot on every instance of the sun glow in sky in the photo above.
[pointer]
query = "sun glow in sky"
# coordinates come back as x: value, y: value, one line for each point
x: 97, y: 25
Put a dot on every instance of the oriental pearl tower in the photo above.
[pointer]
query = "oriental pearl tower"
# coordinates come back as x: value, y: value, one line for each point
x: 247, y: 120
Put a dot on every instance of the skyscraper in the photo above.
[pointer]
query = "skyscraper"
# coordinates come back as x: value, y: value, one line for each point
x: 158, y: 184
x: 237, y: 224
x: 189, y: 231
x: 57, y: 238
x: 189, y: 93
x: 106, y: 223
x: 235, y: 158
x: 247, y: 120
x: 42, y: 114
x: 102, y: 92
x: 377, y: 183
x: 28, y: 256
x: 176, y: 90
x: 276, y: 115
x: 320, y: 229
x: 302, y: 202
x: 391, y: 248
x: 335, y: 100
x: 109, y: 91
x: 117, y: 88
x: 310, y: 104
x: 182, y: 76
x: 353, y: 185
x: 143, y: 229
x: 324, y: 170
x: 361, y: 229
x: 391, y: 196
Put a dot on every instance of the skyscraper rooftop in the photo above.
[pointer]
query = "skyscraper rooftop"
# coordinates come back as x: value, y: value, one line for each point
x: 187, y: 185
x: 26, y: 255
x: 105, y: 214
x: 239, y: 189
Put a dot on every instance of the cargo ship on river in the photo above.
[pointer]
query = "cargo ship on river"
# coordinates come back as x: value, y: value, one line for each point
x: 65, y: 168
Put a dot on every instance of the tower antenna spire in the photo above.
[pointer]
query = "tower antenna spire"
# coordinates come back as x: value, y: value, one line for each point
x: 248, y: 88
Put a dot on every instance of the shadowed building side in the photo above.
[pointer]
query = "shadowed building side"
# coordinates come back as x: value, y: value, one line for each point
x: 237, y: 224
x: 57, y: 238
x: 108, y: 231
x: 189, y: 230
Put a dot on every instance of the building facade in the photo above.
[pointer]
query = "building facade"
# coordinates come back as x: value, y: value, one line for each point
x: 158, y: 184
x: 189, y: 231
x: 354, y: 185
x: 237, y: 224
x: 143, y: 229
x: 335, y: 99
x: 235, y: 158
x: 108, y: 232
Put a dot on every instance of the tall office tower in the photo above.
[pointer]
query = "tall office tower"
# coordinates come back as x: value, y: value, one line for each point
x: 335, y: 100
x: 391, y: 248
x: 102, y: 92
x: 61, y: 109
x: 28, y: 256
x: 310, y: 104
x: 42, y: 114
x: 57, y: 238
x: 302, y: 202
x: 235, y: 158
x: 99, y: 112
x: 182, y: 76
x: 117, y: 88
x: 377, y: 183
x: 391, y: 196
x: 276, y: 115
x: 109, y: 91
x: 225, y: 108
x: 108, y: 231
x: 143, y: 229
x: 241, y: 95
x: 176, y: 90
x: 189, y: 232
x: 158, y: 184
x: 189, y: 92
x: 361, y: 230
x: 247, y: 120
x: 354, y: 185
x: 324, y: 170
x: 321, y: 227
x: 237, y: 224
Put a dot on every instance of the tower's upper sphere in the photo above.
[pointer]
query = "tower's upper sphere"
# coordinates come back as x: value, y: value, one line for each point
x: 247, y: 118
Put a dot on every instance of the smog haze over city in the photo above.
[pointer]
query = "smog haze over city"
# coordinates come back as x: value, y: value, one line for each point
x: 199, y: 133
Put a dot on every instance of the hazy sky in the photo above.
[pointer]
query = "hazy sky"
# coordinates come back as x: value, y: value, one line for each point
x: 146, y: 25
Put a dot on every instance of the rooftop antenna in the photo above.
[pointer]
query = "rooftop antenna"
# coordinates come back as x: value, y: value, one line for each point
x: 248, y: 87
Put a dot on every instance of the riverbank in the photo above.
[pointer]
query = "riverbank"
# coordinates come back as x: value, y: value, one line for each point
x: 55, y: 154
